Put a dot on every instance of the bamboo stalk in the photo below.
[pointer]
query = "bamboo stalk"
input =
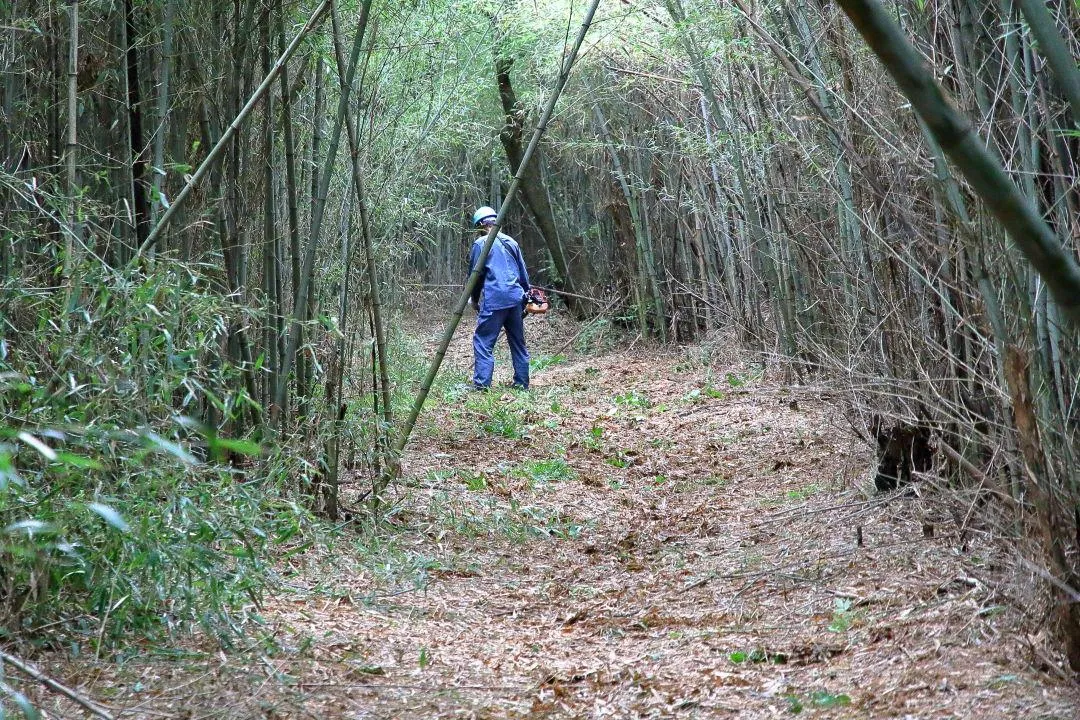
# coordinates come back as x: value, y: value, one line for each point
x: 459, y: 306
x: 318, y: 209
x: 72, y: 145
x: 365, y: 228
x: 91, y: 707
x: 215, y: 154
x: 1053, y: 48
x: 158, y: 168
x: 269, y: 239
x: 962, y: 144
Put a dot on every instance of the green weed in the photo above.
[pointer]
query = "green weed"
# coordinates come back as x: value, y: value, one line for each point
x: 474, y: 481
x: 698, y: 395
x: 802, y: 493
x: 504, y: 422
x: 546, y: 471
x: 843, y: 617
x: 631, y: 399
x: 594, y: 440
x: 820, y: 699
x: 757, y: 655
x: 543, y: 362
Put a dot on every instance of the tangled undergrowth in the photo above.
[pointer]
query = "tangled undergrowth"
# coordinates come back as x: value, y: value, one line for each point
x: 132, y: 499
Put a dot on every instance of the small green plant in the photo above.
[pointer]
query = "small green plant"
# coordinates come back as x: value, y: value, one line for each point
x: 505, y: 423
x: 821, y: 699
x: 545, y: 471
x: 594, y: 440
x: 795, y: 705
x: 843, y: 616
x: 824, y: 699
x: 757, y: 655
x: 619, y: 460
x: 699, y: 394
x: 631, y: 399
x: 542, y: 362
x: 474, y: 481
x: 802, y: 493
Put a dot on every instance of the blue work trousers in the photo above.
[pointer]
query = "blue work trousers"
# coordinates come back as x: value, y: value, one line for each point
x: 488, y: 325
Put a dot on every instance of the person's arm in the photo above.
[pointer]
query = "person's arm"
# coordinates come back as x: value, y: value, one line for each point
x: 523, y: 273
x: 474, y: 255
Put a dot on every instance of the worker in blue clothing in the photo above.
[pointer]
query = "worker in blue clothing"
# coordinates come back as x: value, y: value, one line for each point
x: 504, y: 283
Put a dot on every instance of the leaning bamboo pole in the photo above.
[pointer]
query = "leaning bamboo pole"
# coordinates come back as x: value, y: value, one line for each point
x: 954, y: 133
x: 234, y: 126
x: 459, y: 306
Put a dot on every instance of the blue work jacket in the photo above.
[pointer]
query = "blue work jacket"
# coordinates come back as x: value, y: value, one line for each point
x: 505, y: 280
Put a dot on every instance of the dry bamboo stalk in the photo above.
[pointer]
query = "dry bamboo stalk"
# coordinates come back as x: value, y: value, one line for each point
x: 48, y: 682
x: 226, y: 137
x: 954, y: 133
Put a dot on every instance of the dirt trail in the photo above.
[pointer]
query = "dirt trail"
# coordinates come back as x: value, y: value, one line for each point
x: 661, y: 534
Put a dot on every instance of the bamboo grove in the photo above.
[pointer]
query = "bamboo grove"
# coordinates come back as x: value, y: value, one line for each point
x: 711, y: 166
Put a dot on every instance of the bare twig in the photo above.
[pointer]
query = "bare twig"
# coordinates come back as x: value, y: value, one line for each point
x: 48, y: 682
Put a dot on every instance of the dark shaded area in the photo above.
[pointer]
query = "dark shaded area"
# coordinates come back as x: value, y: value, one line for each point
x: 902, y: 448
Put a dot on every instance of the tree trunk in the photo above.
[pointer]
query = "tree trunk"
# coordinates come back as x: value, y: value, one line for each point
x: 574, y: 275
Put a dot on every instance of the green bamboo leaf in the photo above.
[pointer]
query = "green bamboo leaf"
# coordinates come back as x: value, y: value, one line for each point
x: 241, y: 447
x: 78, y: 461
x: 47, y: 452
x: 109, y: 515
x: 167, y: 446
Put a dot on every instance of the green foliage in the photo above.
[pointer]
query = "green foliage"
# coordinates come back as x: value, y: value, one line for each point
x: 116, y: 513
x: 631, y: 399
x: 795, y: 705
x: 843, y: 617
x: 474, y: 481
x: 543, y: 362
x: 619, y: 460
x: 505, y: 415
x: 547, y: 471
x: 594, y: 440
x: 505, y: 423
x: 757, y: 655
x: 825, y: 699
x: 698, y: 395
x: 820, y: 699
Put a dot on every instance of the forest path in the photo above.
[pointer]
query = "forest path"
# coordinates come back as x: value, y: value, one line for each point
x: 666, y: 534
x: 650, y: 533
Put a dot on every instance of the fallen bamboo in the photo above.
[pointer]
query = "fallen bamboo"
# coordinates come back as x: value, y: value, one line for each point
x: 31, y: 671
